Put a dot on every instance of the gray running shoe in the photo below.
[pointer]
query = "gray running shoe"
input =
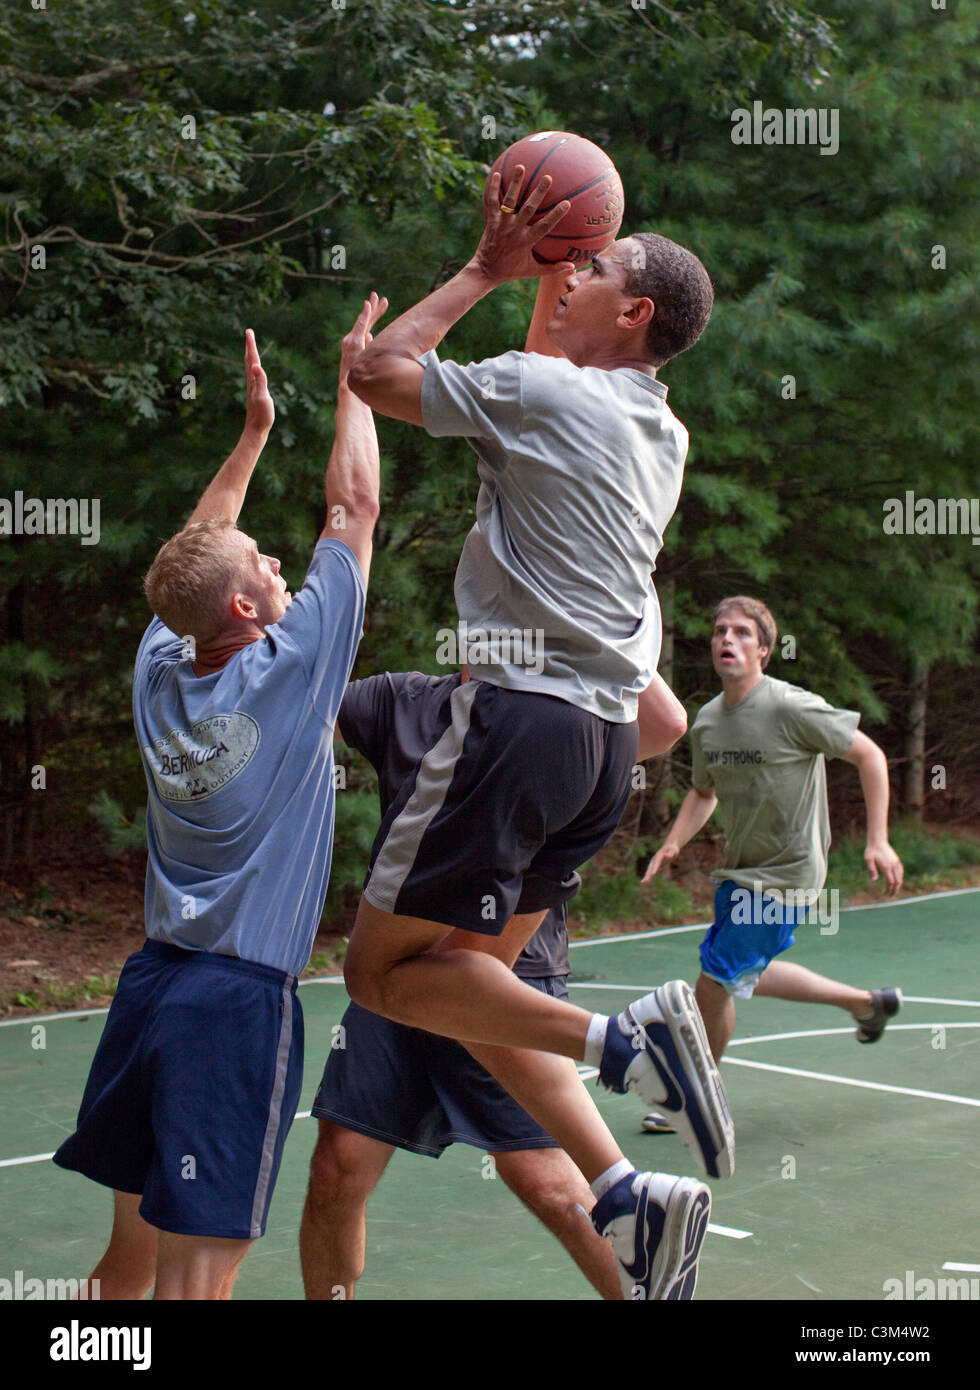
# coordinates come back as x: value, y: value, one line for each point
x: 885, y: 1004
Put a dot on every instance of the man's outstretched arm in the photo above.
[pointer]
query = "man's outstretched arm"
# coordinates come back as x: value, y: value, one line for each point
x: 388, y: 377
x: 224, y: 495
x: 353, y: 476
x: 696, y: 810
x: 872, y: 768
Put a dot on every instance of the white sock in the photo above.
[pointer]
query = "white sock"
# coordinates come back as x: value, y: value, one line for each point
x: 611, y: 1177
x: 595, y: 1039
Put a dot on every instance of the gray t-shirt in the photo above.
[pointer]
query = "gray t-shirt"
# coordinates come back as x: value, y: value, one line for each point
x: 580, y: 471
x: 764, y: 758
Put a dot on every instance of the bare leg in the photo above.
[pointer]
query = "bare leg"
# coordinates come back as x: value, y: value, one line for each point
x: 550, y: 1089
x: 783, y: 980
x: 413, y: 971
x: 393, y: 968
x: 197, y: 1267
x: 344, y: 1171
x: 718, y: 1011
x: 128, y: 1267
x: 549, y: 1185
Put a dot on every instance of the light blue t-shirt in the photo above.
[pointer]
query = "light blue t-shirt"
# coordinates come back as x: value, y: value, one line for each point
x: 580, y: 472
x: 239, y: 767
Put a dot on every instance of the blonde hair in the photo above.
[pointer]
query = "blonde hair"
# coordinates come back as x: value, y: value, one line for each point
x: 764, y: 621
x: 193, y: 576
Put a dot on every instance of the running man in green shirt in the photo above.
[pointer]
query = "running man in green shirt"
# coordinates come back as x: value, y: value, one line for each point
x: 758, y: 752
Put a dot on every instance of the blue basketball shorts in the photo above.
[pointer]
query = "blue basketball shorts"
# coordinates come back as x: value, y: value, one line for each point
x: 192, y: 1090
x: 421, y: 1092
x: 750, y: 929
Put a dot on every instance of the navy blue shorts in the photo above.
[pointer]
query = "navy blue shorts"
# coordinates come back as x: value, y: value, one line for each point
x: 750, y: 929
x: 192, y: 1090
x: 419, y: 1091
x: 519, y: 784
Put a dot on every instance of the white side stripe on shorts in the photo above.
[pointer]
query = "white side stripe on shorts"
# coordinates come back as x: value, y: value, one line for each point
x: 432, y: 782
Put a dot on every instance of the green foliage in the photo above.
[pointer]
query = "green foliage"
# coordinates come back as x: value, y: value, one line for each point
x: 357, y: 823
x: 45, y: 995
x: 122, y: 834
x: 930, y: 858
x: 338, y: 150
x: 620, y: 897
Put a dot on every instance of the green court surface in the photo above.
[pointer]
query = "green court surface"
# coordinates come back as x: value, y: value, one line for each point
x: 854, y: 1164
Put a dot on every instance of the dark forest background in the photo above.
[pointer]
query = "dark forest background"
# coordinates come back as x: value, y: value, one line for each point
x: 171, y: 173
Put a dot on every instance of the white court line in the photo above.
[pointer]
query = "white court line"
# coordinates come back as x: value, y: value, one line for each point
x: 732, y: 1231
x: 928, y: 999
x: 832, y: 1032
x: 850, y: 1081
x: 631, y: 989
x: 31, y: 1158
x: 47, y: 1018
x: 963, y: 1269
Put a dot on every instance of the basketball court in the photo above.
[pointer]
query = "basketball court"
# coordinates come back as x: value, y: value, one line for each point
x: 854, y: 1164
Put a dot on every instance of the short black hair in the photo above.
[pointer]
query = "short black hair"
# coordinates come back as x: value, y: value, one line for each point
x: 681, y: 291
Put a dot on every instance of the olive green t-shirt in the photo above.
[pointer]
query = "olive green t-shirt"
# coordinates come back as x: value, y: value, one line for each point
x: 764, y: 759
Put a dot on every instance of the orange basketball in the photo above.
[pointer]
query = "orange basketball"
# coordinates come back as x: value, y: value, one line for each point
x: 583, y: 174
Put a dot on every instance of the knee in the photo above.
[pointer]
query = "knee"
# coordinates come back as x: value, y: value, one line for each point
x: 709, y: 995
x: 548, y: 1185
x: 337, y: 1174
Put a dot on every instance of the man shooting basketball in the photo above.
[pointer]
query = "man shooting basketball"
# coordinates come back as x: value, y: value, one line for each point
x: 580, y: 465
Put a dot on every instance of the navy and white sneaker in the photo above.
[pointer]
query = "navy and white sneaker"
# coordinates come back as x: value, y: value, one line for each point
x: 656, y: 1224
x: 655, y: 1123
x: 658, y: 1048
x: 885, y: 1004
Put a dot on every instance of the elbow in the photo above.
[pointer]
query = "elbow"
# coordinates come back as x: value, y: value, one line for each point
x: 363, y: 375
x: 660, y: 736
x: 676, y: 726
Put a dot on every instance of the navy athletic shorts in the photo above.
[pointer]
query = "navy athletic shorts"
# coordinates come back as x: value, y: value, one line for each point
x: 192, y: 1090
x: 519, y: 783
x: 419, y: 1091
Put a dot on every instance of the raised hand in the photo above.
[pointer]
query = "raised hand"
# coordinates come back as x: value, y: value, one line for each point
x: 260, y: 413
x: 504, y: 252
x: 359, y: 337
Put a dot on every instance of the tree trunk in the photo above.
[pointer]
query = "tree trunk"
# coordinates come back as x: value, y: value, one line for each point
x: 915, y: 739
x: 657, y: 812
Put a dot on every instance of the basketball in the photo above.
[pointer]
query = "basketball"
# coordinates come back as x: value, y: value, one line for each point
x: 583, y: 174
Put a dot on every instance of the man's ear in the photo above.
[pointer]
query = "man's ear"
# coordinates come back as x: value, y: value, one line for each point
x: 640, y: 312
x: 243, y: 607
